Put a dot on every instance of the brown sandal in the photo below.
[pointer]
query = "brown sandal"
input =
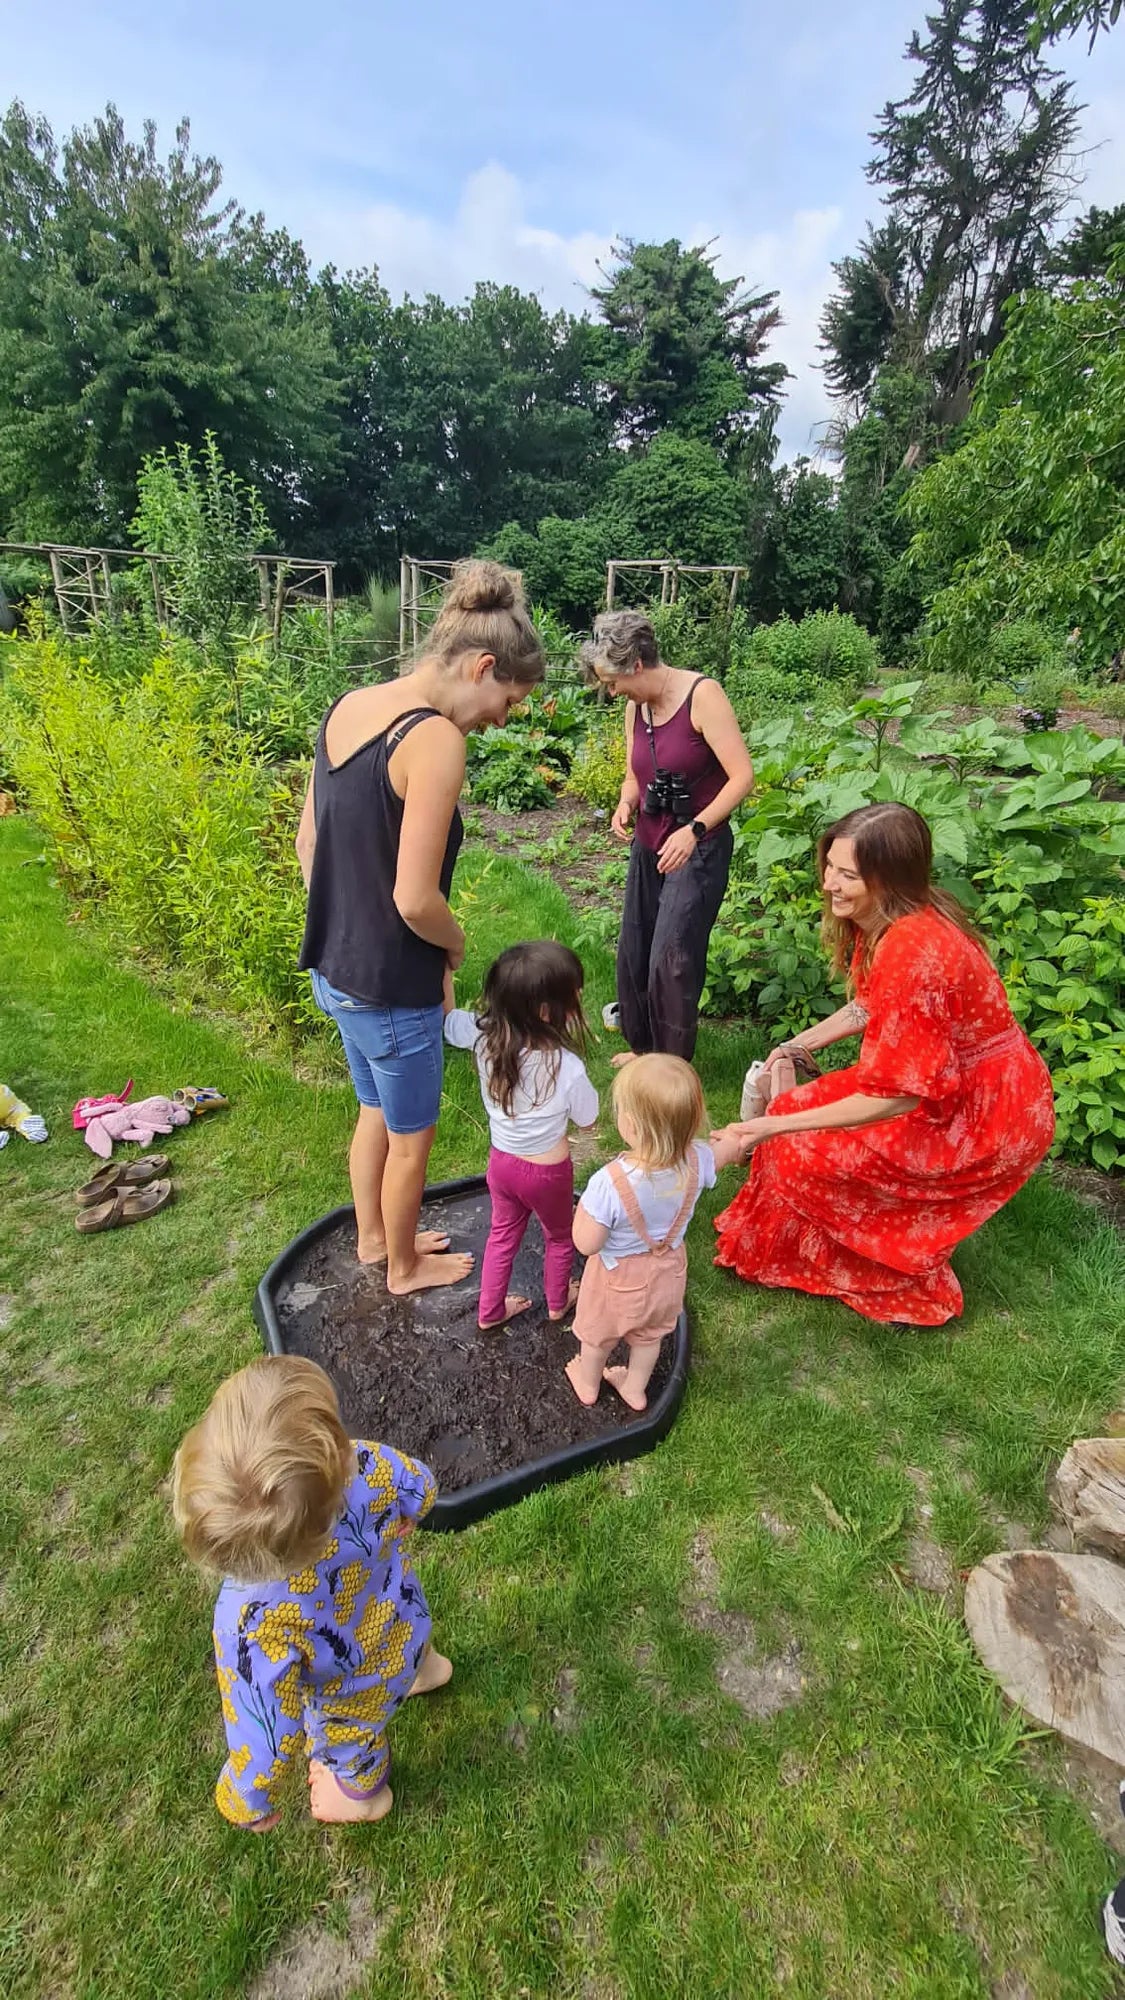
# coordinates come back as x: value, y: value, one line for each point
x: 126, y: 1174
x: 127, y: 1205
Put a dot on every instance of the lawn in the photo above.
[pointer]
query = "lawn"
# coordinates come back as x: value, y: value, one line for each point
x: 707, y: 1738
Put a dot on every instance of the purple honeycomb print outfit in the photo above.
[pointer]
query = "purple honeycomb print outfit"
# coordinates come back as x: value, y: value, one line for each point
x: 322, y: 1658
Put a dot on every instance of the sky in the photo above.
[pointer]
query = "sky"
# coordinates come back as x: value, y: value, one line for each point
x: 518, y: 143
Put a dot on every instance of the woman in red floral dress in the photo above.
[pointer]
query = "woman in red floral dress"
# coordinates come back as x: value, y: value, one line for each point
x: 864, y: 1180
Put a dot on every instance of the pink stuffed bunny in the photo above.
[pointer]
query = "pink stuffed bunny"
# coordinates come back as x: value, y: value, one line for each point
x: 137, y: 1122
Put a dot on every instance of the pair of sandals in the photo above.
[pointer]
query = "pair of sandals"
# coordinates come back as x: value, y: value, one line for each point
x: 128, y: 1192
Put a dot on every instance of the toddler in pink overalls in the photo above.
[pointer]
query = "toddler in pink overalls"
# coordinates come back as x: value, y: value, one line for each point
x: 631, y: 1222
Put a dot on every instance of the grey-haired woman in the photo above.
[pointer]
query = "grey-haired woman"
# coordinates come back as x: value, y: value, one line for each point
x: 686, y: 769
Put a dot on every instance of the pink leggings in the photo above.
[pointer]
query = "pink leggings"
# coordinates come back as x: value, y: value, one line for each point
x: 519, y: 1190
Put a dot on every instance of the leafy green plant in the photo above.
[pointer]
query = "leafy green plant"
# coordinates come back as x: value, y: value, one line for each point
x: 208, y: 522
x: 825, y: 646
x: 598, y: 770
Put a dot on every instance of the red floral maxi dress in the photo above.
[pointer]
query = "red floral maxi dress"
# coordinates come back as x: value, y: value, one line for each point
x: 870, y: 1215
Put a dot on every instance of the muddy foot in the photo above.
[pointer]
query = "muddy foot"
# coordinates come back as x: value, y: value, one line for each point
x: 432, y: 1270
x: 514, y: 1304
x: 574, y: 1378
x: 434, y: 1672
x: 427, y: 1240
x: 335, y: 1807
x: 571, y: 1301
x: 616, y: 1378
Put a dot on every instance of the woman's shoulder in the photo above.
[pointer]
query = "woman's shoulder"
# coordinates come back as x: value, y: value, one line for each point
x: 924, y: 944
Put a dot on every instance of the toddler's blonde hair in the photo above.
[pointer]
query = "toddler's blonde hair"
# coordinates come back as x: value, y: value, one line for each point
x: 663, y: 1099
x: 258, y: 1483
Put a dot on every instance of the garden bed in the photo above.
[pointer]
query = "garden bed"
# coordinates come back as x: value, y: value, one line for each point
x: 491, y: 1413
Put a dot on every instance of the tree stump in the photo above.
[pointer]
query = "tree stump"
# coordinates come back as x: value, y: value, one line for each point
x: 1052, y: 1629
x: 1090, y: 1487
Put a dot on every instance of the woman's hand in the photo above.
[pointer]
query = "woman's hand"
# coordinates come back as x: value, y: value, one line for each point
x: 745, y: 1136
x: 456, y: 954
x: 619, y: 824
x: 676, y: 851
x: 779, y: 1054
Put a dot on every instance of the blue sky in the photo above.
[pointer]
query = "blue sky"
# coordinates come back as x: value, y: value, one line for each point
x: 446, y: 145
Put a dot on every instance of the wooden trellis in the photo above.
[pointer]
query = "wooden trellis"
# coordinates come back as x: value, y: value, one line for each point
x: 671, y: 574
x: 421, y: 585
x: 83, y: 581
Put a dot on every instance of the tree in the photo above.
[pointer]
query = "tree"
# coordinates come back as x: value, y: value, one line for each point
x: 1026, y: 519
x: 973, y: 162
x: 138, y: 313
x: 859, y: 324
x: 798, y: 553
x: 1064, y: 17
x: 458, y: 419
x: 682, y: 349
x: 1093, y: 246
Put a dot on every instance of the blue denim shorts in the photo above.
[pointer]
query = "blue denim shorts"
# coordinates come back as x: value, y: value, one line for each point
x: 395, y: 1055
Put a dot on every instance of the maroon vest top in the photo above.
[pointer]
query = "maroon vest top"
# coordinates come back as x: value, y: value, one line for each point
x: 679, y: 748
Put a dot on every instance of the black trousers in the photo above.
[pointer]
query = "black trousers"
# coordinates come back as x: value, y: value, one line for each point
x: 662, y: 949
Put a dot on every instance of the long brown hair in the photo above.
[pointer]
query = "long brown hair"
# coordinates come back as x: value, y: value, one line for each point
x: 532, y: 999
x: 894, y: 854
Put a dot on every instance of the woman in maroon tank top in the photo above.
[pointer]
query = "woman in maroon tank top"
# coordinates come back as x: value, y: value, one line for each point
x: 686, y: 770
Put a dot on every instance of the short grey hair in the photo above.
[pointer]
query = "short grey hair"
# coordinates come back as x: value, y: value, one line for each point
x: 622, y: 641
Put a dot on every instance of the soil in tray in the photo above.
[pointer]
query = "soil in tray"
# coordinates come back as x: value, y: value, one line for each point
x: 418, y: 1373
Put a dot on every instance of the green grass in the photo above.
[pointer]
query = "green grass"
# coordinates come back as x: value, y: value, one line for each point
x: 586, y: 1813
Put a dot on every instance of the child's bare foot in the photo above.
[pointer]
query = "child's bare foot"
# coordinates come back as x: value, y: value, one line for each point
x: 427, y: 1240
x: 434, y: 1672
x: 335, y: 1807
x: 616, y: 1378
x: 574, y: 1376
x: 626, y: 1056
x: 265, y: 1825
x: 514, y: 1304
x: 571, y: 1301
x: 432, y: 1270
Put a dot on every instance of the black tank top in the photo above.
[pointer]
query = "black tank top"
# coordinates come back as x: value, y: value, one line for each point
x: 354, y: 936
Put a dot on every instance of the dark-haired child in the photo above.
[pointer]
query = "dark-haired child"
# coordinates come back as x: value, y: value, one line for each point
x: 527, y: 1040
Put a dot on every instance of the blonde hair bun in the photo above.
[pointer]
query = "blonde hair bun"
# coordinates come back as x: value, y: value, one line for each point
x: 483, y: 586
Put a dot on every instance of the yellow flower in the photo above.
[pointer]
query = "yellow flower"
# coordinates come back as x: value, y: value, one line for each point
x: 231, y: 1804
x: 239, y: 1759
x: 226, y: 1677
x: 281, y: 1627
x: 349, y: 1583
x: 289, y: 1697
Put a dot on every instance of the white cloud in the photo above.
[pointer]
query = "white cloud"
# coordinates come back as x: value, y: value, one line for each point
x: 488, y: 236
x: 797, y: 260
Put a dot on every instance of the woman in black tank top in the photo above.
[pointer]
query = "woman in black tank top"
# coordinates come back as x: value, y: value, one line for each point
x: 378, y: 843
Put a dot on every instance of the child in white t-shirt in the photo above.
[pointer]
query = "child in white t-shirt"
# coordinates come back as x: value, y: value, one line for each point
x: 534, y: 1084
x: 631, y: 1222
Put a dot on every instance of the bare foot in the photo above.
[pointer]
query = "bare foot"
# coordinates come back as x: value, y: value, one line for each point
x: 571, y: 1301
x: 335, y: 1807
x: 266, y: 1825
x: 427, y: 1240
x: 573, y: 1377
x: 434, y: 1672
x: 616, y: 1377
x: 432, y: 1270
x: 514, y: 1304
x: 627, y: 1056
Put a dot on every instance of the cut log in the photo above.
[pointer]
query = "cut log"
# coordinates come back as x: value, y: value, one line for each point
x: 1052, y: 1630
x: 1090, y: 1488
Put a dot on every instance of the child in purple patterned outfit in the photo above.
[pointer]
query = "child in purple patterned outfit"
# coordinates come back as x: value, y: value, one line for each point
x: 526, y: 1040
x: 321, y: 1627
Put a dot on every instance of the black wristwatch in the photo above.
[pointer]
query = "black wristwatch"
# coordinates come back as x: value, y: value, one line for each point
x: 699, y: 829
